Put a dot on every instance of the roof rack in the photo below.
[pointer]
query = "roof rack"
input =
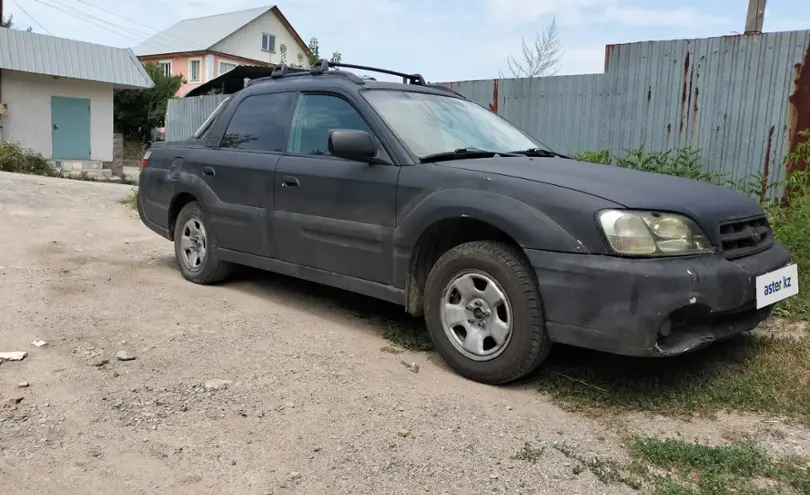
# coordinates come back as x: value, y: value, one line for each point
x: 282, y: 70
x: 322, y: 66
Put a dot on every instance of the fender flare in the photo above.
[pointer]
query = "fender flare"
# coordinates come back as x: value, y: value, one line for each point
x: 193, y: 185
x: 529, y: 227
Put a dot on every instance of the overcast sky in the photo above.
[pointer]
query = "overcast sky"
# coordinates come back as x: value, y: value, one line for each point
x: 443, y: 40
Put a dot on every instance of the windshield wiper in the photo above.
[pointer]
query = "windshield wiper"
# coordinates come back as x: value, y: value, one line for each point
x: 540, y: 152
x: 462, y: 153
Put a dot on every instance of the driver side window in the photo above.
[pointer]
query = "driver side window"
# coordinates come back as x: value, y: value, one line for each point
x: 315, y: 115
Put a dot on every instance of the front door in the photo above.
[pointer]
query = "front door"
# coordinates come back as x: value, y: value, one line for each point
x: 330, y: 213
x: 70, y: 119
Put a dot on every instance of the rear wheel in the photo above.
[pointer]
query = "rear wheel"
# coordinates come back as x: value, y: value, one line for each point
x: 484, y: 314
x: 195, y: 247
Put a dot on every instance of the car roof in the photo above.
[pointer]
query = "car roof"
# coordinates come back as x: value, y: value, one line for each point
x: 324, y: 74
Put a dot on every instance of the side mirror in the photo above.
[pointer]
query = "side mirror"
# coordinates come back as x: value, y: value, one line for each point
x: 352, y: 145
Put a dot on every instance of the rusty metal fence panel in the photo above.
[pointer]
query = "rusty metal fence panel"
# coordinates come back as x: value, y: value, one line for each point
x: 185, y: 115
x: 739, y: 100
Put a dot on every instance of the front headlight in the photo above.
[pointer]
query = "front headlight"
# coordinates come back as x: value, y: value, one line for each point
x: 651, y: 233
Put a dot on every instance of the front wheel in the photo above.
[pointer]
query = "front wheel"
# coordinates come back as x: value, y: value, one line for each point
x: 484, y: 313
x: 195, y: 247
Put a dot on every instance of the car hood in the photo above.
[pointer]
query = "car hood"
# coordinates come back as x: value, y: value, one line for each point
x: 705, y: 203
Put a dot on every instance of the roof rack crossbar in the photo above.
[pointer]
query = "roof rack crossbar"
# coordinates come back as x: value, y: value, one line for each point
x: 322, y: 67
x: 319, y: 67
x: 283, y: 70
x: 406, y: 78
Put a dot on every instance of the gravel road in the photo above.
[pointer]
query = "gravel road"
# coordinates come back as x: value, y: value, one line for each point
x: 263, y: 385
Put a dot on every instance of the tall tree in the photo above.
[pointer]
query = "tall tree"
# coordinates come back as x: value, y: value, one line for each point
x: 8, y: 22
x: 541, y: 58
x: 137, y: 111
x: 315, y: 52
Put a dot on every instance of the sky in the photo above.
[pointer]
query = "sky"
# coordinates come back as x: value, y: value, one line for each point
x: 444, y: 40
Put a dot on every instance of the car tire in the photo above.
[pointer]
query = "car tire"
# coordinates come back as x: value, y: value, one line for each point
x: 192, y: 231
x: 481, y: 272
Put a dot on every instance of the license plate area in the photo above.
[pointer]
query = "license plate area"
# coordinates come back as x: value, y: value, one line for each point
x: 777, y: 285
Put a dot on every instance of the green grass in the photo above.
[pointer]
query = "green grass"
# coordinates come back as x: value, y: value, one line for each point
x: 605, y: 470
x: 676, y: 467
x: 529, y: 453
x: 701, y: 469
x: 755, y: 374
x: 397, y: 327
x: 411, y: 335
x: 131, y: 200
x: 791, y: 226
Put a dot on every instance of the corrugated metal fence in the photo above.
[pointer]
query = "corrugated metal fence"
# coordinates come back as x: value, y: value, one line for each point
x: 734, y: 98
x: 740, y: 100
x: 185, y: 115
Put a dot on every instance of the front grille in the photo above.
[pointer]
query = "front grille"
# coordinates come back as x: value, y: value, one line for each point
x: 740, y: 238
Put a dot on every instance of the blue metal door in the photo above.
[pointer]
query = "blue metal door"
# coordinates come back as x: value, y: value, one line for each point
x: 70, y: 118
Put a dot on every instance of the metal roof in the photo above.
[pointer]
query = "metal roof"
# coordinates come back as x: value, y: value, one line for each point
x: 35, y: 53
x: 197, y: 34
x: 231, y: 81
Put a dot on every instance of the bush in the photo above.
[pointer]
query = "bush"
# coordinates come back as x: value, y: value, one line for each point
x: 13, y: 158
x: 683, y: 163
x: 789, y: 217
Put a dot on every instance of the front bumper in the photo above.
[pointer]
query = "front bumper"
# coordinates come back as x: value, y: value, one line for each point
x: 619, y: 305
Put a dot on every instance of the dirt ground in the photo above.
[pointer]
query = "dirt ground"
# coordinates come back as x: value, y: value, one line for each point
x: 311, y: 403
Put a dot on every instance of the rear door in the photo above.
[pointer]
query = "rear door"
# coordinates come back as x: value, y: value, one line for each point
x: 331, y: 213
x: 239, y: 166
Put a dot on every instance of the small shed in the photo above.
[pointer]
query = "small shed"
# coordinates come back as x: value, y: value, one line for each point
x: 56, y: 95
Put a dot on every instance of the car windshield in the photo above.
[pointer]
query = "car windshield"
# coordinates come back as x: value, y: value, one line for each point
x: 430, y: 124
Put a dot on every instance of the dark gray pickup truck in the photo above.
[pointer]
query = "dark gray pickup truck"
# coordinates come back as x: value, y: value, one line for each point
x: 410, y: 193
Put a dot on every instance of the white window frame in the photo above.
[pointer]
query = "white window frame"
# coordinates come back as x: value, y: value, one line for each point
x: 274, y: 43
x: 166, y: 63
x: 199, y: 71
x: 229, y: 62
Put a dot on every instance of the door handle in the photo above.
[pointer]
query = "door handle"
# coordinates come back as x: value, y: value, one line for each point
x: 209, y: 172
x: 289, y: 181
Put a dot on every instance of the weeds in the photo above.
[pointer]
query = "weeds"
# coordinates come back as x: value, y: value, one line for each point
x: 409, y: 335
x: 529, y: 453
x: 13, y: 158
x: 132, y: 200
x: 756, y: 374
x: 682, y: 163
x: 701, y: 469
x: 676, y: 467
x: 605, y: 470
x: 134, y: 149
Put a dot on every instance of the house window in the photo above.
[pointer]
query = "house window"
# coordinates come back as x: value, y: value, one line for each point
x: 167, y: 67
x: 268, y: 42
x: 194, y: 66
x: 225, y: 67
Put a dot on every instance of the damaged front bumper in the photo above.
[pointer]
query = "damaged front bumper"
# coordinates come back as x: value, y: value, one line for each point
x: 651, y: 307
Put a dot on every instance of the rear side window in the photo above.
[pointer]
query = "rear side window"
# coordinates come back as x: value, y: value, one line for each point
x: 259, y: 123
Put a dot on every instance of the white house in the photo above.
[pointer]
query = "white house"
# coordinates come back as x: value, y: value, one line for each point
x: 56, y: 95
x: 203, y: 48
